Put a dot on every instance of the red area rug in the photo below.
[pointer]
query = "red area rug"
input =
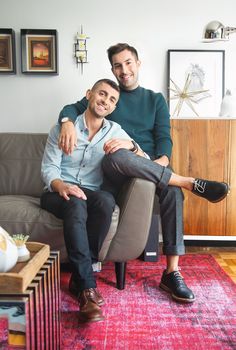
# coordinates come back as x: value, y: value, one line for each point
x: 144, y: 317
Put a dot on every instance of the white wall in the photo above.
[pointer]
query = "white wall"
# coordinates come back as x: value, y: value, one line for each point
x: 32, y: 103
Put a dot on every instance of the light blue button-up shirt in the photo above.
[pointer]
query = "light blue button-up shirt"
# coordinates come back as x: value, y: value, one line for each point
x: 83, y: 166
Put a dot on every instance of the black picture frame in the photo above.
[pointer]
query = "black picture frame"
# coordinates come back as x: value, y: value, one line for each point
x: 39, y: 51
x: 7, y: 51
x: 196, y: 83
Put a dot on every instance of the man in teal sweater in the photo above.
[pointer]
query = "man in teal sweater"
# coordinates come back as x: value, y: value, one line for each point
x: 144, y: 115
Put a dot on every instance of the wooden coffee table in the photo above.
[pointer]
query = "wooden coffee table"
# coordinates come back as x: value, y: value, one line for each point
x: 30, y: 301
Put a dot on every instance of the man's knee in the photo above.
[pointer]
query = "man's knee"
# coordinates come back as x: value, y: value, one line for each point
x: 75, y: 204
x: 116, y: 158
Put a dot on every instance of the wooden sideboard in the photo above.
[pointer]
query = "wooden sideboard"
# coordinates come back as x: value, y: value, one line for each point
x: 206, y: 149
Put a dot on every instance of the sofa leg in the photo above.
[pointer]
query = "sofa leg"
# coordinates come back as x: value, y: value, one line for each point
x: 120, y: 268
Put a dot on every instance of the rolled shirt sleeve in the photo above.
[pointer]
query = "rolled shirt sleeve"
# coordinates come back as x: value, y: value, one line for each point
x: 51, y: 162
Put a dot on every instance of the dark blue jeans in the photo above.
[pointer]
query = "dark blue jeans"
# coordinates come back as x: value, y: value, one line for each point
x: 124, y: 164
x: 85, y: 225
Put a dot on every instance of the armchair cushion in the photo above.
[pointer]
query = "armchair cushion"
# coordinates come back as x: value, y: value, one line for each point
x: 136, y: 206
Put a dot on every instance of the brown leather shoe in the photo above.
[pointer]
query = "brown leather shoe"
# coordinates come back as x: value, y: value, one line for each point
x: 73, y: 288
x: 90, y: 311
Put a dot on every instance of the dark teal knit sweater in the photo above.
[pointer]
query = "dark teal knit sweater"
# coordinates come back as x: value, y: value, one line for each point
x: 143, y: 114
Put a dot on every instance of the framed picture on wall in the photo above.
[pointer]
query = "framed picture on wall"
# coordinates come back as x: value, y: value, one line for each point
x: 39, y: 51
x: 195, y: 83
x: 7, y: 51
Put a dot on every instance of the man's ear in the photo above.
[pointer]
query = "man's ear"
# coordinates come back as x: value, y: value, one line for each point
x: 88, y: 93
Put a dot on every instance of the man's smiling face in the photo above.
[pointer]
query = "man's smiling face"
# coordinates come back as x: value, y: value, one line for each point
x: 102, y: 100
x: 125, y: 67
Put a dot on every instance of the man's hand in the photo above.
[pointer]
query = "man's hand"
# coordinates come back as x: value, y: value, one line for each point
x: 67, y: 138
x: 163, y: 160
x: 65, y: 189
x: 113, y: 145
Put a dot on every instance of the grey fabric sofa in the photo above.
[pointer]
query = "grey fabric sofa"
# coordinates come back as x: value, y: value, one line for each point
x: 20, y: 212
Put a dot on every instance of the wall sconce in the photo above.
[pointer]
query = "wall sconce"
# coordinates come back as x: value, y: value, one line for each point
x: 80, y: 49
x: 216, y: 31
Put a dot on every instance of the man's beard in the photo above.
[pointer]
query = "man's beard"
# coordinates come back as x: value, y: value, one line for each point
x: 95, y: 114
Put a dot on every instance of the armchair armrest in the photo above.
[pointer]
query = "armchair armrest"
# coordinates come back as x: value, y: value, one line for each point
x: 136, y: 206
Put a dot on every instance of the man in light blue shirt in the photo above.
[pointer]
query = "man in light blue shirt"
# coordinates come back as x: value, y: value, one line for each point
x: 73, y: 191
x: 83, y: 166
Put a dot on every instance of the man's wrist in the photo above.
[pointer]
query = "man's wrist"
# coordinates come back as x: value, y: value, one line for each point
x: 56, y: 184
x: 66, y: 119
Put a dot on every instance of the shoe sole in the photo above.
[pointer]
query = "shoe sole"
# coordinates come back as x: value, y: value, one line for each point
x: 90, y: 320
x: 184, y: 300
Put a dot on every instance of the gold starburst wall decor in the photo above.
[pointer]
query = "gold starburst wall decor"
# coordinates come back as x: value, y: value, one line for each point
x: 184, y: 95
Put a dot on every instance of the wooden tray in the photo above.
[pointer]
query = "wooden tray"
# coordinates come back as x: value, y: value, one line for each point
x: 20, y: 276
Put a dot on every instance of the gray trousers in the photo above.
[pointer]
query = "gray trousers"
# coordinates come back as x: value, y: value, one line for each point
x: 123, y: 164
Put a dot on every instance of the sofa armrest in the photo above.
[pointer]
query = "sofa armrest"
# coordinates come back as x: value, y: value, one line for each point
x: 136, y: 207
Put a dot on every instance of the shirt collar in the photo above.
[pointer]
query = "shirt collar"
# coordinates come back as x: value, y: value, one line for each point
x: 83, y: 126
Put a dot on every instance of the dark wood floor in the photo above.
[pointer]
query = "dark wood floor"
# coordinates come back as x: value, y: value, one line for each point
x: 225, y: 256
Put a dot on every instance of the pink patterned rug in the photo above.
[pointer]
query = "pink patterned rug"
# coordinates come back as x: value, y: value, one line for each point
x: 144, y: 317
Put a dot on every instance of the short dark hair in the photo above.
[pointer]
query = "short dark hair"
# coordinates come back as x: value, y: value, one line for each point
x: 107, y: 81
x: 113, y: 50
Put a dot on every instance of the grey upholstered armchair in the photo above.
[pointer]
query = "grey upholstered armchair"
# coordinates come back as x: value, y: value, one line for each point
x: 20, y: 212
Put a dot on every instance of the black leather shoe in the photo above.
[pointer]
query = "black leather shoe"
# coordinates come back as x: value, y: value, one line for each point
x: 213, y: 191
x: 173, y: 283
x: 73, y: 288
x: 89, y: 311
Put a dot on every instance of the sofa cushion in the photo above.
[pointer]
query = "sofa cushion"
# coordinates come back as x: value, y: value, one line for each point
x: 20, y: 163
x: 22, y: 214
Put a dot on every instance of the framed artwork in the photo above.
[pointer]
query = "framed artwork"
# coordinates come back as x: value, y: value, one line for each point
x: 7, y: 51
x: 39, y: 51
x: 195, y: 83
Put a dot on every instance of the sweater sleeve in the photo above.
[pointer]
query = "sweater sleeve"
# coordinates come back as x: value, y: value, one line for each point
x: 163, y: 141
x: 73, y: 110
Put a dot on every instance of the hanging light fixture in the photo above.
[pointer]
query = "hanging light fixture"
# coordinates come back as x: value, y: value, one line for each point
x: 216, y: 31
x: 81, y: 54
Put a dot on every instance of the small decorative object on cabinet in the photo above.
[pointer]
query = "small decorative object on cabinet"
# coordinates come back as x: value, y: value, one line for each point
x: 23, y: 252
x: 228, y: 106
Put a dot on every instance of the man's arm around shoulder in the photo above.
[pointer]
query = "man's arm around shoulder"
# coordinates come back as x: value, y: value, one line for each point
x: 68, y: 138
